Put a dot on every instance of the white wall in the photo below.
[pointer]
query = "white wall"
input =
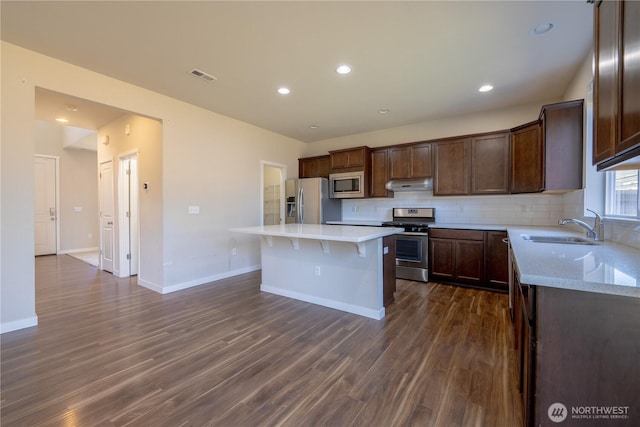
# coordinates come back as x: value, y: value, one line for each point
x: 144, y: 137
x: 207, y: 160
x: 78, y: 188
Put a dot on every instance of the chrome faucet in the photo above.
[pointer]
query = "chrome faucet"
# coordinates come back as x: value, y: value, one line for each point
x: 597, y: 231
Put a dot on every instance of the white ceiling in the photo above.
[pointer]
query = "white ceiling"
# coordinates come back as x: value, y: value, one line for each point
x: 420, y: 59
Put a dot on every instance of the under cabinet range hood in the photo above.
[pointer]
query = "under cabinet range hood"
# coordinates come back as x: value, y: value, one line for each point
x: 424, y: 184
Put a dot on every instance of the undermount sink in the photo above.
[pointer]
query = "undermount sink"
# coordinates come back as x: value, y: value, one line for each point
x: 567, y: 240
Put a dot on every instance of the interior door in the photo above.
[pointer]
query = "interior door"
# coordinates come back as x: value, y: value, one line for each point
x: 106, y: 216
x: 46, y: 211
x: 128, y: 212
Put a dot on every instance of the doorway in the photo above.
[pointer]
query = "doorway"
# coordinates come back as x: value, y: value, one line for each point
x: 46, y: 224
x: 272, y: 193
x: 128, y: 215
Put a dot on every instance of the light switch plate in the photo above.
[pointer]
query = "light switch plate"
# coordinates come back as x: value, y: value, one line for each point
x: 194, y: 210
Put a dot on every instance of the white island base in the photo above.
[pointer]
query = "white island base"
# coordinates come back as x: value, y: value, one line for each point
x: 335, y: 266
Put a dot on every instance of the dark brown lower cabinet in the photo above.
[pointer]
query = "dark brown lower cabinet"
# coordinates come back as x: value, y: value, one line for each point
x: 469, y: 257
x: 497, y: 259
x: 388, y: 269
x: 578, y: 357
x: 457, y: 256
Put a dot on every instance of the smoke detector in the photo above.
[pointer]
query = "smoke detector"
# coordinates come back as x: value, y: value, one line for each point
x: 202, y: 75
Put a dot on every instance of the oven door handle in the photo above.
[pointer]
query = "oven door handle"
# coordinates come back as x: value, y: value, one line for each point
x: 411, y: 233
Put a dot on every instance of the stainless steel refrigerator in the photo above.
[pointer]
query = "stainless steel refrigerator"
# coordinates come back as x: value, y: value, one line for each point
x: 308, y: 202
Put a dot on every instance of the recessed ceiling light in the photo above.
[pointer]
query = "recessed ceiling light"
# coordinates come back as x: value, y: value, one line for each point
x: 343, y: 69
x: 485, y: 88
x: 62, y: 120
x: 541, y: 29
x: 313, y: 126
x: 383, y: 111
x: 284, y: 91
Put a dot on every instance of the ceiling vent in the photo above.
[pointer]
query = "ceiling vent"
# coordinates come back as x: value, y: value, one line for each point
x: 202, y: 75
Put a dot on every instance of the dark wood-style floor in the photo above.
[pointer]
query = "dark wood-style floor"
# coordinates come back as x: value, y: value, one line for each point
x: 107, y: 352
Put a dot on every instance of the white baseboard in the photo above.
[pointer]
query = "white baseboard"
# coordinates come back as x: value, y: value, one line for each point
x: 349, y: 308
x: 196, y: 282
x: 18, y: 324
x: 75, y: 251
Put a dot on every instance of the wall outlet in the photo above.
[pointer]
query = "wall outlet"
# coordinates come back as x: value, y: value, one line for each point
x: 90, y: 236
x: 317, y: 272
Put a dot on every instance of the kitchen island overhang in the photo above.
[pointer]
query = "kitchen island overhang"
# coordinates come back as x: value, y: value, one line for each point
x: 336, y: 266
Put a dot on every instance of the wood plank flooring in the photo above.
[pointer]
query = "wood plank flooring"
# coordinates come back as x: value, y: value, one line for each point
x: 107, y: 352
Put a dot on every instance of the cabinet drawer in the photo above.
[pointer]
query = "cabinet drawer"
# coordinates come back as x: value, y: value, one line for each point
x: 454, y: 233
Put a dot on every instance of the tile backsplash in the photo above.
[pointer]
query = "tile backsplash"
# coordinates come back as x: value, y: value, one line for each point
x: 519, y: 209
x: 536, y: 209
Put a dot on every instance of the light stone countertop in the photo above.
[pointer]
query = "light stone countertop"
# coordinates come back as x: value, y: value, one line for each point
x: 607, y: 267
x: 364, y: 222
x: 489, y: 227
x: 338, y: 233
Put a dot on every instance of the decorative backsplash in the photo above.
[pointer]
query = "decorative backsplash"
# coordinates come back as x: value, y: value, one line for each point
x: 521, y: 209
x: 538, y: 209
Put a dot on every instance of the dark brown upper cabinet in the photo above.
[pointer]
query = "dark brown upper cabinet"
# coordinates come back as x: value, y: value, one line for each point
x: 547, y: 155
x: 490, y: 164
x: 380, y: 172
x: 526, y: 159
x: 410, y: 161
x: 616, y: 136
x: 452, y: 166
x: 350, y: 159
x: 478, y: 164
x: 313, y: 167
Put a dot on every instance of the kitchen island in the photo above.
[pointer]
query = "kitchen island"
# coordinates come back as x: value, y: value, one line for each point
x: 342, y: 267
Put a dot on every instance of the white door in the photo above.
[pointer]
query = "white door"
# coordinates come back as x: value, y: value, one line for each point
x: 106, y: 216
x: 46, y: 211
x: 128, y: 208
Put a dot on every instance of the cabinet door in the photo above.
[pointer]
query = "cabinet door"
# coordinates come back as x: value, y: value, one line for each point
x: 490, y: 164
x: 379, y: 176
x: 630, y: 76
x: 527, y: 159
x: 606, y: 81
x: 340, y: 160
x: 421, y: 161
x: 451, y: 175
x: 323, y: 165
x: 442, y: 259
x: 562, y: 137
x: 313, y: 167
x: 399, y: 162
x: 469, y: 264
x: 307, y: 168
x: 497, y: 256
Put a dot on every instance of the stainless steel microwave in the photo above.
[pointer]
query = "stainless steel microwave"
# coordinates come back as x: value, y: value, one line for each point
x: 347, y: 185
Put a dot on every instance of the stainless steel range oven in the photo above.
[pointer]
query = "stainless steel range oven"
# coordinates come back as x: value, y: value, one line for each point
x: 412, y: 245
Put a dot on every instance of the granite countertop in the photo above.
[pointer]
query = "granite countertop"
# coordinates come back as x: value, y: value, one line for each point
x: 339, y: 233
x: 606, y: 267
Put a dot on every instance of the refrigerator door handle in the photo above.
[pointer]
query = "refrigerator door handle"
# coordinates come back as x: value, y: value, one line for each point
x: 301, y: 207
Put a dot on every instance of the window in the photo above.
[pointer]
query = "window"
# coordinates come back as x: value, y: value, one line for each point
x: 622, y: 193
